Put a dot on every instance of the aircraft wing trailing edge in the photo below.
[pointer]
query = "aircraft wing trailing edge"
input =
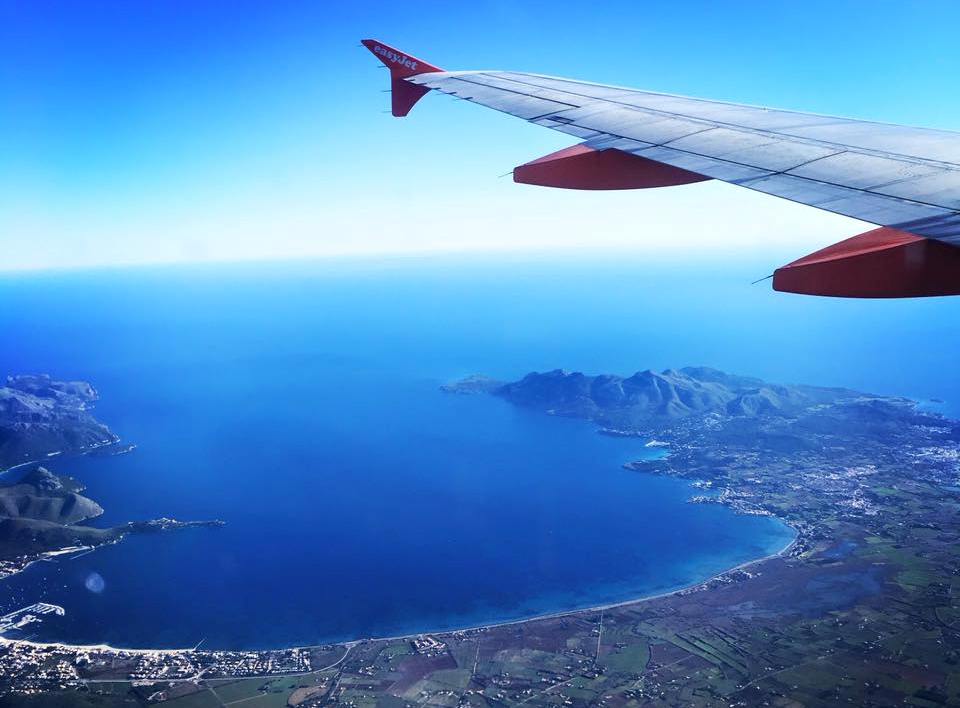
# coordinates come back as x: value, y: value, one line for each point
x: 905, y: 180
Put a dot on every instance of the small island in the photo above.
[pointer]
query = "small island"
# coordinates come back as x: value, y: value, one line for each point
x: 43, y: 514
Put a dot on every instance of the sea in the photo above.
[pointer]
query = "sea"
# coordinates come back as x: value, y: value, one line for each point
x: 300, y: 403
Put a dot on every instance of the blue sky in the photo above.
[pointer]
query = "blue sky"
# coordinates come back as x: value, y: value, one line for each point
x: 139, y: 132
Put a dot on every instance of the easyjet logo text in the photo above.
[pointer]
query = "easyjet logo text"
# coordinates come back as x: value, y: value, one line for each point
x: 400, y: 59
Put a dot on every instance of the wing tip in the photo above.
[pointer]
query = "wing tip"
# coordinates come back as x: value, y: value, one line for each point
x: 400, y: 63
x: 403, y: 94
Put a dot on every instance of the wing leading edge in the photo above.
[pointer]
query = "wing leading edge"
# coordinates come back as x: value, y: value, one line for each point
x: 905, y: 180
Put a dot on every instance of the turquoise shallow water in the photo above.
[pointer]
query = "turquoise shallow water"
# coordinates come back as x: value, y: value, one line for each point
x: 300, y: 404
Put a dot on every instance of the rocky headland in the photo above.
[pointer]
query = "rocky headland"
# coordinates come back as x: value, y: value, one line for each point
x: 43, y: 513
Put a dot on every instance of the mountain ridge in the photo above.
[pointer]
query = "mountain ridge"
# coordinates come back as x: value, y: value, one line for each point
x: 647, y: 395
x: 40, y: 416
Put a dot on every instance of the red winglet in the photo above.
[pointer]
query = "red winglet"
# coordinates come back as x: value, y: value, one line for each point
x: 403, y: 94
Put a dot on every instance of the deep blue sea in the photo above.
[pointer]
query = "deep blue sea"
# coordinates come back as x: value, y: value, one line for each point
x: 300, y: 404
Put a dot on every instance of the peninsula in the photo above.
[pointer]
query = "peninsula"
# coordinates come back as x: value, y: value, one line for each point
x: 42, y: 513
x: 42, y: 418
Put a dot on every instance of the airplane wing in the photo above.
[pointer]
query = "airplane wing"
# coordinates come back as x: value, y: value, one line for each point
x: 904, y: 180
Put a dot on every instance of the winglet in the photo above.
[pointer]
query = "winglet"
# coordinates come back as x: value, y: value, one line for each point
x: 403, y: 94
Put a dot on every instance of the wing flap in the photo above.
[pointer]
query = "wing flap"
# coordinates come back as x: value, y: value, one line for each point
x: 866, y: 172
x: 752, y: 149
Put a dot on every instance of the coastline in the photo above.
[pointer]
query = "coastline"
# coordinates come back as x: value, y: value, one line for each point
x: 659, y: 450
x: 49, y: 556
x: 64, y: 454
x: 691, y: 587
x: 7, y: 569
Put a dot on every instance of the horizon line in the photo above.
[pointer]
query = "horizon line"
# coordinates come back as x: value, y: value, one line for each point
x: 660, y: 253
